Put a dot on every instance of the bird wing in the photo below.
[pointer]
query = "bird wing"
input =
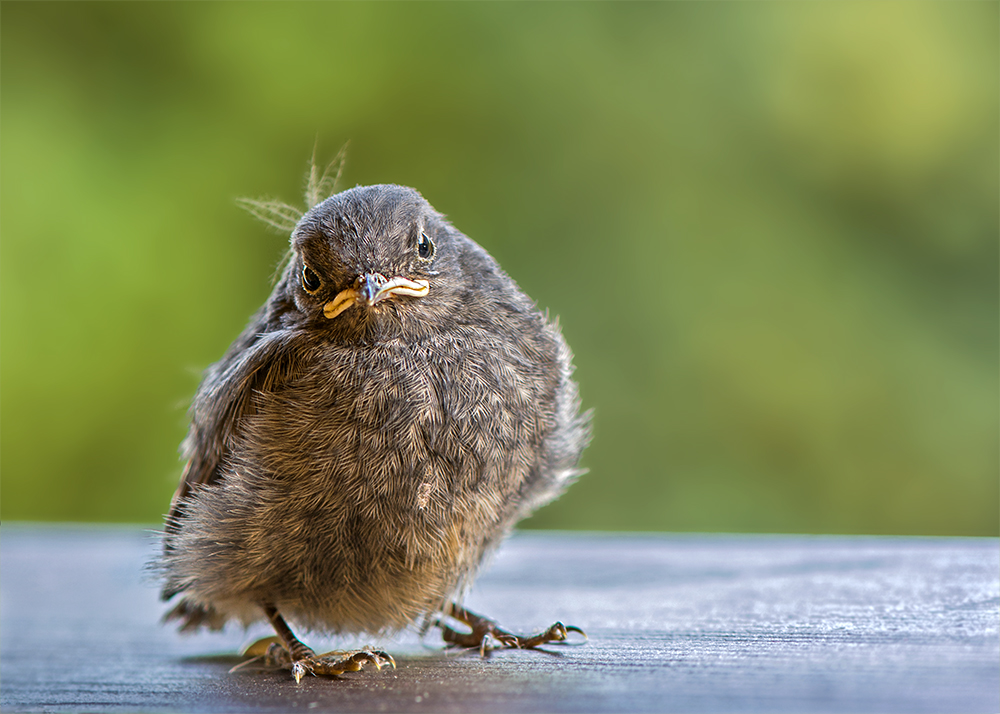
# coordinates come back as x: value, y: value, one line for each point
x: 255, y: 363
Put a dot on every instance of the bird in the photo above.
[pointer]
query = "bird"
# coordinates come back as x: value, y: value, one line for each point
x: 384, y: 420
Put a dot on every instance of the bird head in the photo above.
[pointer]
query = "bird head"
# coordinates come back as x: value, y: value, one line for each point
x: 367, y: 254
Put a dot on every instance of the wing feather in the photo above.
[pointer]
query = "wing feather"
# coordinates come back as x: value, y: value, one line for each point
x: 259, y: 360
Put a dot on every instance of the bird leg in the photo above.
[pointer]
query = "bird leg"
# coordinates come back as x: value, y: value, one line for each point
x: 301, y: 659
x: 485, y: 631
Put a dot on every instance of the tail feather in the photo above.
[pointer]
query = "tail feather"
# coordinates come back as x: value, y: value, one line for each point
x: 193, y: 617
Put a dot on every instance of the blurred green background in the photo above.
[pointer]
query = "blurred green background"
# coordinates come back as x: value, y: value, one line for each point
x: 770, y: 232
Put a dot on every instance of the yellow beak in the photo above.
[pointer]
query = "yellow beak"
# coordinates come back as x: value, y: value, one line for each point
x: 372, y: 289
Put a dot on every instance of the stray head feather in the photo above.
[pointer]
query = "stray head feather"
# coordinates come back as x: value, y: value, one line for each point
x: 319, y: 187
x: 284, y: 217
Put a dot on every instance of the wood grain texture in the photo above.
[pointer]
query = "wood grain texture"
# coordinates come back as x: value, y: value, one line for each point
x: 677, y: 623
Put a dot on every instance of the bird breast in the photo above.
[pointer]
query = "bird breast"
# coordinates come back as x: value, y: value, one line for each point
x: 385, y: 471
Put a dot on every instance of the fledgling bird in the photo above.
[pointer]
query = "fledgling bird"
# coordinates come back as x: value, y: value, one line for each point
x: 384, y: 420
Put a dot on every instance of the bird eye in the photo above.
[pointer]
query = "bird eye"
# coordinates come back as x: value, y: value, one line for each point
x: 310, y: 281
x: 425, y: 248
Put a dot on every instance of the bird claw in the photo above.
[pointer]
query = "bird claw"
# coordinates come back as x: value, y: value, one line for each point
x: 558, y: 632
x: 328, y: 664
x: 485, y: 632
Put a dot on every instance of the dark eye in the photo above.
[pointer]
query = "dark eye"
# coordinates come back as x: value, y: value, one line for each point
x: 425, y: 249
x: 310, y: 281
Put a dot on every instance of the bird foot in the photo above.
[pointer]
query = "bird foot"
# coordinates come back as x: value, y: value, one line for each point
x: 328, y: 664
x: 487, y: 635
x: 332, y: 664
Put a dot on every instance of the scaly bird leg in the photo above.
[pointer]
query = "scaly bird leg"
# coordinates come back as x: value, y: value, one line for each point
x: 485, y: 630
x: 301, y: 660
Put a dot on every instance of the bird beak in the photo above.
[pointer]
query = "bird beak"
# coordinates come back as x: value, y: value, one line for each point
x: 372, y: 289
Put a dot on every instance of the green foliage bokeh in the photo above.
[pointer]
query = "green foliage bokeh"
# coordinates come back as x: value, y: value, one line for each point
x: 770, y: 232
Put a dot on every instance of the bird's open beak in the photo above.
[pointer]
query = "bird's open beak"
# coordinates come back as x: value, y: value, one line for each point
x: 372, y: 289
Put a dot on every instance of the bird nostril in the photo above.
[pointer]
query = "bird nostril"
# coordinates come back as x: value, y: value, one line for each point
x: 369, y: 285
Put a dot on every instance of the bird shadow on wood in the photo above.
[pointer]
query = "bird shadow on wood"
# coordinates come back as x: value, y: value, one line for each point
x: 496, y: 651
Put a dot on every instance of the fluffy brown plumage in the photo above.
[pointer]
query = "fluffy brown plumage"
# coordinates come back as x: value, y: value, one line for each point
x: 389, y: 414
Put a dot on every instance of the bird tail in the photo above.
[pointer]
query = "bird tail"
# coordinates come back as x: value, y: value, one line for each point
x: 193, y: 617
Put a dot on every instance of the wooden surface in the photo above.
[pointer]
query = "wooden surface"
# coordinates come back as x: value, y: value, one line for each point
x: 677, y: 623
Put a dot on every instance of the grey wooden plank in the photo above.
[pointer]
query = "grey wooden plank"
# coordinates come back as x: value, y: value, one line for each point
x: 677, y: 623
